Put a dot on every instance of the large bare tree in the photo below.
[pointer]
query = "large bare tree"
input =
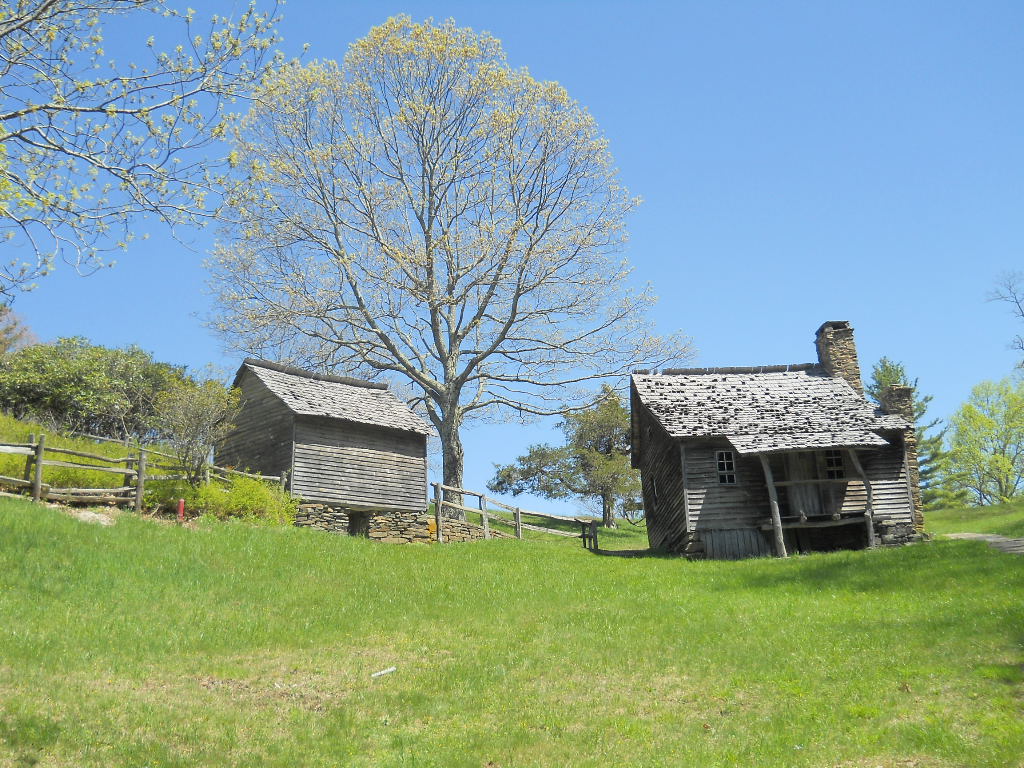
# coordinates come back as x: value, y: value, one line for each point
x: 427, y: 212
x: 90, y: 143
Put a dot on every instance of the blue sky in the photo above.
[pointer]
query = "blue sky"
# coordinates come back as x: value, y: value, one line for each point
x: 799, y: 162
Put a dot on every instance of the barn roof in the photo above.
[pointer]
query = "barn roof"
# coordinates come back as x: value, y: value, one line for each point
x: 336, y: 397
x: 763, y: 410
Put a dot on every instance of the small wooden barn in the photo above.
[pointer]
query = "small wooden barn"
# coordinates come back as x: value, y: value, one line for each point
x: 740, y: 462
x: 343, y: 442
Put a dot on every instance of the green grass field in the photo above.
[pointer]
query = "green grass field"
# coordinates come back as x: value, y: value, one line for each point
x: 1004, y: 519
x: 145, y: 644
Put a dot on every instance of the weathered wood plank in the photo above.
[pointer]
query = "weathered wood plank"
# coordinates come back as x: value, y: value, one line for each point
x: 21, y: 450
x: 89, y: 467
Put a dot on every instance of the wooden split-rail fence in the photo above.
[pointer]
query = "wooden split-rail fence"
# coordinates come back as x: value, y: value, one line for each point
x: 446, y: 509
x: 135, y: 470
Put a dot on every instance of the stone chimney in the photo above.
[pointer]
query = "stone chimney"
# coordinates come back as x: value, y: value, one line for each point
x: 899, y: 401
x: 837, y: 352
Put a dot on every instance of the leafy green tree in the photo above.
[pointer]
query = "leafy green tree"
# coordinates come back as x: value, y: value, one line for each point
x: 936, y: 490
x: 428, y: 212
x: 987, y: 442
x: 88, y: 145
x: 592, y: 465
x: 77, y: 386
x: 193, y: 416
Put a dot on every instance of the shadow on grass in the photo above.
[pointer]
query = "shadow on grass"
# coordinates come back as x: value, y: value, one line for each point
x: 926, y: 568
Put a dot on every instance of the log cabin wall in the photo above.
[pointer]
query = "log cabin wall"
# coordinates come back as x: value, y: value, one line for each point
x: 717, y: 506
x: 359, y: 465
x: 662, y: 483
x: 262, y: 438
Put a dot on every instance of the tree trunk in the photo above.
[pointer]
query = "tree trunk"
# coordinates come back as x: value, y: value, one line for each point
x: 452, y: 458
x: 608, y: 512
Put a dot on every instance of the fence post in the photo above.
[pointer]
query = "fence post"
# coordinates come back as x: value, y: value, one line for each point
x: 593, y: 534
x: 37, y: 478
x: 483, y: 517
x: 437, y: 511
x: 140, y: 480
x: 519, y: 522
x: 284, y: 479
x: 28, y: 459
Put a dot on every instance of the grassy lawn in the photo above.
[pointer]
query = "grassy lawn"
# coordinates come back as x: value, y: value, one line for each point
x: 143, y: 644
x: 1004, y: 519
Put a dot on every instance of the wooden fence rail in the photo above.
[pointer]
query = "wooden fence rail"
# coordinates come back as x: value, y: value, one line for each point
x: 134, y: 469
x: 588, y: 526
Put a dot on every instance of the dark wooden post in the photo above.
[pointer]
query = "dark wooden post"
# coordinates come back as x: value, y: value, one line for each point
x: 773, y: 500
x: 519, y: 522
x: 869, y: 511
x: 140, y: 480
x: 37, y: 477
x: 28, y: 459
x: 128, y: 476
x: 593, y: 535
x: 437, y: 511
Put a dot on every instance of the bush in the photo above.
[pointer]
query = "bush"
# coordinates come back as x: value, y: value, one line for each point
x: 72, y: 385
x: 245, y: 498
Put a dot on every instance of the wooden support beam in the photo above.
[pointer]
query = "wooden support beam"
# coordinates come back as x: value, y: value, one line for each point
x: 869, y: 512
x: 519, y: 522
x: 773, y: 500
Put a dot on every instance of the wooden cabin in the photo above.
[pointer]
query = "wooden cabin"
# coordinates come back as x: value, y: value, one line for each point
x: 741, y: 462
x: 344, y: 442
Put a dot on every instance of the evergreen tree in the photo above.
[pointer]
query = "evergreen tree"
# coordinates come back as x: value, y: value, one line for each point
x: 933, y: 460
x: 592, y: 465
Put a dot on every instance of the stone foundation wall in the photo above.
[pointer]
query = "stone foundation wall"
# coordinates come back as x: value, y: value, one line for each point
x: 391, y: 526
x: 896, y: 534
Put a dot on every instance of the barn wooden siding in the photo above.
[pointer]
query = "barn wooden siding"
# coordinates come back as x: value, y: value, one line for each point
x: 662, y: 484
x: 714, y: 506
x: 262, y: 438
x: 359, y: 465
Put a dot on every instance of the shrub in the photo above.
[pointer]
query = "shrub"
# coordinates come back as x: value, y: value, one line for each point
x: 245, y: 498
x: 72, y: 385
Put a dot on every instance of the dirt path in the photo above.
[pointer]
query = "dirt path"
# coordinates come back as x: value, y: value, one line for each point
x: 1002, y: 543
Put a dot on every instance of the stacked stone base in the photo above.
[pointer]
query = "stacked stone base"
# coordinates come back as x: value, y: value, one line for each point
x: 393, y: 526
x: 896, y: 534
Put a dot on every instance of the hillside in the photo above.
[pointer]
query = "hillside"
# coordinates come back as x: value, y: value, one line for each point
x: 149, y: 644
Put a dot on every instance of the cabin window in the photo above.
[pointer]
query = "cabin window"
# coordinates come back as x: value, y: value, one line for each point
x: 834, y: 468
x: 726, y: 467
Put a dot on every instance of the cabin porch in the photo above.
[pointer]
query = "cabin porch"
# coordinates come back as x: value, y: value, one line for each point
x: 818, y: 501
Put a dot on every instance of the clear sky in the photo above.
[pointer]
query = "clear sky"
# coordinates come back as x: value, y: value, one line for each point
x: 799, y: 162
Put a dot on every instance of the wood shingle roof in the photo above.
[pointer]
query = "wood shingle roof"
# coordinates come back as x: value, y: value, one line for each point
x: 764, y: 410
x: 336, y: 397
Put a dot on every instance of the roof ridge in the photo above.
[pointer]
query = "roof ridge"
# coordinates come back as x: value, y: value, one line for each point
x: 791, y: 367
x: 293, y: 371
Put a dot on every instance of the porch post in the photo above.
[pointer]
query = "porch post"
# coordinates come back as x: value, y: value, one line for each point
x: 773, y: 499
x: 869, y: 512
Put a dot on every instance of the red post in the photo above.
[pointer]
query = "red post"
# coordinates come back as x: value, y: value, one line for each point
x: 181, y: 510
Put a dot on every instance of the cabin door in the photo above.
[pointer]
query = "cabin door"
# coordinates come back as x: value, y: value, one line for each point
x: 805, y: 500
